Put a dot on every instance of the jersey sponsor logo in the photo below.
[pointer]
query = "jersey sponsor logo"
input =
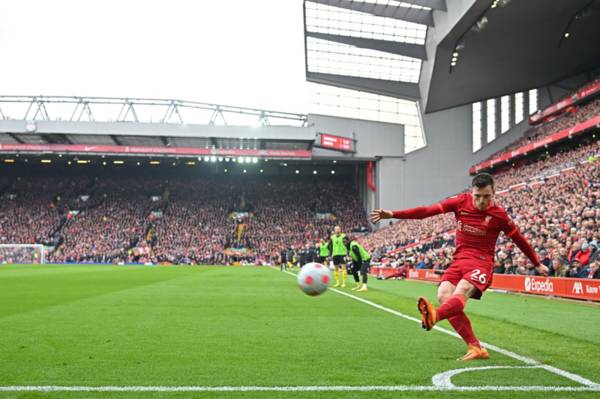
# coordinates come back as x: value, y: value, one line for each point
x: 471, y: 230
x: 534, y: 285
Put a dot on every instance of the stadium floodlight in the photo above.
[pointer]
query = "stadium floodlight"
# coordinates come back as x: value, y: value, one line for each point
x: 154, y: 162
x: 225, y: 170
x: 240, y: 159
x: 45, y: 161
x: 220, y: 159
x: 9, y: 161
x: 103, y: 163
x: 314, y: 172
x: 261, y: 171
x: 255, y: 160
x: 213, y: 159
x: 118, y: 162
x: 22, y: 254
x: 206, y: 158
x: 297, y: 172
x: 191, y: 163
x: 226, y: 159
x: 333, y: 172
x: 247, y: 159
x: 245, y: 170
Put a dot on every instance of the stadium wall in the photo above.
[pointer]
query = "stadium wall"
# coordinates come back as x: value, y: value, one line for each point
x: 374, y: 140
x: 441, y: 168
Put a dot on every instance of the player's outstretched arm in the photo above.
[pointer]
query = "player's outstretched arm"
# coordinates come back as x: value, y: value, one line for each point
x: 378, y: 214
x: 420, y: 212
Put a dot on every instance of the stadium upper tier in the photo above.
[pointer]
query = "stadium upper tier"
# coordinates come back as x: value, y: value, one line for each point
x: 179, y: 220
x: 565, y: 121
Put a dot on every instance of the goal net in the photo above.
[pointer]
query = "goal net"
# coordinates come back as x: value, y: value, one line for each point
x: 22, y: 254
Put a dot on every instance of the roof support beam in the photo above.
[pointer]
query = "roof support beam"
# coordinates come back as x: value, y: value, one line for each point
x: 408, y: 14
x: 404, y: 49
x: 435, y: 4
x: 115, y: 139
x: 16, y: 138
x: 390, y: 88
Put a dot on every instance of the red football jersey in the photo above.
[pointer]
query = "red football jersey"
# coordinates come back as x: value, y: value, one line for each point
x: 477, y: 231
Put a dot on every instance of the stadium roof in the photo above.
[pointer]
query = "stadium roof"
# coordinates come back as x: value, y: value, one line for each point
x: 504, y: 46
x: 375, y: 46
x: 111, y: 122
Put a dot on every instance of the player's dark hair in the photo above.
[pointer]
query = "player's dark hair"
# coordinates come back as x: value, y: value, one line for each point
x: 483, y: 180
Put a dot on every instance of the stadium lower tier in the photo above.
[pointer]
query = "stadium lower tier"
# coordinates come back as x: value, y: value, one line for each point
x: 175, y: 220
x: 554, y: 202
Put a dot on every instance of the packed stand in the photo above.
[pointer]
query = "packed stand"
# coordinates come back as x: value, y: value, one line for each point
x: 564, y: 121
x: 558, y: 214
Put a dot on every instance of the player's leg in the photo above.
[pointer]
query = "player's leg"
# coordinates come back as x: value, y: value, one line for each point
x: 344, y: 271
x: 364, y: 269
x: 355, y: 270
x: 460, y: 322
x: 336, y: 270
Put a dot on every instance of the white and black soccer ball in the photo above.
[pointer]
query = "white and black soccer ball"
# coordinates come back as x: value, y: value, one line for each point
x: 314, y: 278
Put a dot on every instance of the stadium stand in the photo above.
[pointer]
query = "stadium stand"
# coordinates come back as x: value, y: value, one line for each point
x: 553, y: 201
x: 179, y: 220
x: 564, y: 121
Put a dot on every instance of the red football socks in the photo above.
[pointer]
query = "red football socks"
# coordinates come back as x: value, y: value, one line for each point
x: 452, y: 307
x: 462, y: 325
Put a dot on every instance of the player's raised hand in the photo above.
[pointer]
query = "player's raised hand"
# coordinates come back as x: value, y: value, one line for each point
x: 378, y: 214
x: 543, y: 270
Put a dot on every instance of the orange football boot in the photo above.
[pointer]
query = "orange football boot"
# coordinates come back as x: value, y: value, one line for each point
x: 474, y: 353
x: 428, y: 313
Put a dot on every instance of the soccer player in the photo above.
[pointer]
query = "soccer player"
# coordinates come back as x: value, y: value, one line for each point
x: 339, y: 252
x: 323, y: 251
x: 283, y: 259
x: 479, y: 222
x: 361, y: 260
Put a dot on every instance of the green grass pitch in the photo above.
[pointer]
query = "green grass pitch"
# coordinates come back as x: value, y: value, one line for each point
x: 136, y: 326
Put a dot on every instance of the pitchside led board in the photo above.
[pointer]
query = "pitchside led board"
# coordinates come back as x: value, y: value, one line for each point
x: 336, y: 143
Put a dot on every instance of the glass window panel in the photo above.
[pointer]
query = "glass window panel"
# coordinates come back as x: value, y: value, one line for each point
x: 320, y: 18
x: 518, y: 107
x: 476, y: 126
x: 533, y: 101
x: 504, y: 114
x: 334, y: 58
x: 491, y: 120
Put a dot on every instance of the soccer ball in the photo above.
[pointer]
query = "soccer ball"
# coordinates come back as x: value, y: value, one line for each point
x: 314, y: 278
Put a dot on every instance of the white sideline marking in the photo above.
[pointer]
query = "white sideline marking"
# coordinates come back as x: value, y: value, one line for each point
x: 527, y: 360
x: 333, y: 388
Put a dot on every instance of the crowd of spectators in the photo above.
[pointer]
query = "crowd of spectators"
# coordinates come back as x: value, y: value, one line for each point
x: 186, y: 220
x: 564, y: 121
x: 558, y: 212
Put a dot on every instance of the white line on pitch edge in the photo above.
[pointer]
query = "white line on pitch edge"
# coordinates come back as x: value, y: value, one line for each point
x: 332, y: 388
